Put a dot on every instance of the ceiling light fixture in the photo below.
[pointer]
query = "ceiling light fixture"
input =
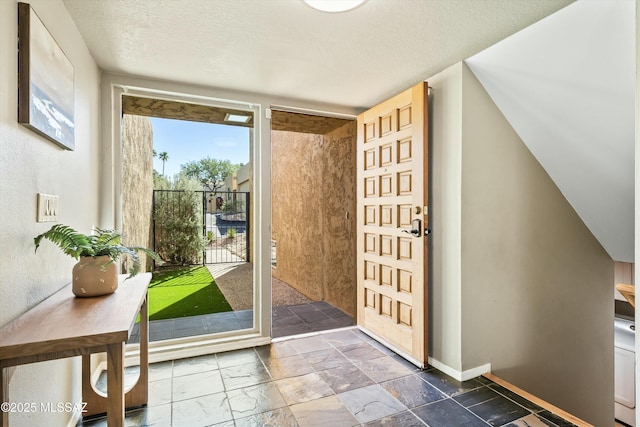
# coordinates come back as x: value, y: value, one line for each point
x: 236, y: 118
x: 334, y: 5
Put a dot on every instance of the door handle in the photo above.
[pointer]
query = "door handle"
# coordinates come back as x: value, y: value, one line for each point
x: 416, y: 228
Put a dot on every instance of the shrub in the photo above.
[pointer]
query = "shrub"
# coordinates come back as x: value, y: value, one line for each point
x: 178, y: 224
x: 231, y: 233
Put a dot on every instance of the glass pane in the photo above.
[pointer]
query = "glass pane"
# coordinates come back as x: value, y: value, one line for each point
x: 187, y: 190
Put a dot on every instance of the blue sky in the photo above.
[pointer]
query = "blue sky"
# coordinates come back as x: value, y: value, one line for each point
x: 187, y: 141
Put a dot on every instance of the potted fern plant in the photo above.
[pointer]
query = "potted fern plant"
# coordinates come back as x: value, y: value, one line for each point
x: 95, y: 273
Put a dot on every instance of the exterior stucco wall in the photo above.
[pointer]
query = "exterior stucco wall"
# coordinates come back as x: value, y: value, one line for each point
x: 137, y: 183
x: 313, y: 211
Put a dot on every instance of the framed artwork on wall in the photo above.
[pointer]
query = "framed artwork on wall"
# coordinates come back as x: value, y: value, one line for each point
x: 45, y: 81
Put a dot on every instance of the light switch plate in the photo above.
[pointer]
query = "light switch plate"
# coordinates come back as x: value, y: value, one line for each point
x: 47, y: 208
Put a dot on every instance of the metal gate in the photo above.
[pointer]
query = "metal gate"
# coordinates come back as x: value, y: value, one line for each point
x: 201, y: 227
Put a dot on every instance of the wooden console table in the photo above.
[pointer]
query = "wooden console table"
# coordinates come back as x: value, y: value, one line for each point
x: 64, y: 326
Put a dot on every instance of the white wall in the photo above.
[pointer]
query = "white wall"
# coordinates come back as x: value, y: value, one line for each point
x: 445, y: 134
x: 536, y: 283
x: 637, y: 193
x: 29, y: 164
x: 519, y: 283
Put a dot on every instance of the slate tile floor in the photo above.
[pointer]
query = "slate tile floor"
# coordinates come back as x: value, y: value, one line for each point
x: 337, y: 378
x: 286, y: 321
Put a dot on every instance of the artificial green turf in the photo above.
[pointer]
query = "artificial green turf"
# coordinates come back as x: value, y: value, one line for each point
x: 186, y: 291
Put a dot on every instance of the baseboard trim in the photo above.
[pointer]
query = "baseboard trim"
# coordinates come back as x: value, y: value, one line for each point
x: 460, y: 375
x: 76, y: 417
x: 531, y: 398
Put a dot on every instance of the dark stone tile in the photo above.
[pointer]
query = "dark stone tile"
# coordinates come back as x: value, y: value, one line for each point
x: 343, y: 322
x: 303, y: 388
x: 196, y: 385
x: 412, y: 391
x: 360, y: 352
x: 276, y: 350
x: 189, y: 323
x: 380, y: 347
x: 334, y: 312
x: 321, y: 305
x: 404, y: 362
x: 343, y: 338
x: 237, y: 357
x: 499, y: 410
x: 287, y: 321
x: 218, y: 318
x: 244, y: 315
x: 516, y: 398
x: 245, y: 375
x: 383, y: 369
x: 160, y: 392
x: 323, y: 325
x: 554, y: 419
x: 327, y: 411
x: 246, y: 324
x: 370, y: 403
x: 290, y: 366
x: 345, y: 378
x: 302, y: 308
x: 475, y: 397
x: 531, y: 420
x: 192, y: 332
x: 309, y: 344
x: 254, y: 400
x: 202, y: 411
x: 312, y: 316
x: 161, y: 335
x: 483, y: 380
x: 280, y: 311
x: 155, y: 416
x: 160, y: 370
x: 287, y: 331
x: 447, y: 384
x: 447, y: 413
x: 403, y: 419
x: 323, y: 360
x: 160, y: 326
x: 194, y: 365
x: 282, y: 417
x: 223, y: 326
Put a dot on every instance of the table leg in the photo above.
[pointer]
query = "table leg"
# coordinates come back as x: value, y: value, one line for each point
x: 115, y: 385
x: 4, y: 395
x: 139, y: 394
x: 144, y: 352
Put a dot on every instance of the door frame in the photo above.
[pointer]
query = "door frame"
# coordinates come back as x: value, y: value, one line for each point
x: 113, y: 88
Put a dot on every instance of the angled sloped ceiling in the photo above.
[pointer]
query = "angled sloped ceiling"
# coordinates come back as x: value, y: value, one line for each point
x: 566, y: 84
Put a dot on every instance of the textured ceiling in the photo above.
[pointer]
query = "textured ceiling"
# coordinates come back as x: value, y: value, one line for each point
x: 285, y: 48
x: 561, y: 83
x: 567, y: 86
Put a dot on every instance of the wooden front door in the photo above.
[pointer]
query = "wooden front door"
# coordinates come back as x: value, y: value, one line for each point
x: 392, y: 157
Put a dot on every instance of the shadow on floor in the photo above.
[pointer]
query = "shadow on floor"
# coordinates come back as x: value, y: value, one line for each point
x: 336, y: 378
x: 286, y: 321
